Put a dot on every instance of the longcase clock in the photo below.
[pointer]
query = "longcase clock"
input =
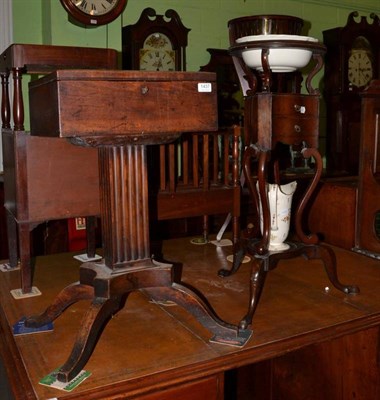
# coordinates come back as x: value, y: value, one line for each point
x: 352, y: 60
x: 155, y: 42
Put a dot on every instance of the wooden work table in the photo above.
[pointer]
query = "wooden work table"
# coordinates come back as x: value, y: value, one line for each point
x: 312, y: 337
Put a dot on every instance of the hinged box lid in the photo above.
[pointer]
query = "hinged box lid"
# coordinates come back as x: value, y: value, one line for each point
x: 139, y: 104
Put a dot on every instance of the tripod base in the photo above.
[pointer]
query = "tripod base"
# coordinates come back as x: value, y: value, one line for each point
x: 264, y: 263
x: 108, y: 292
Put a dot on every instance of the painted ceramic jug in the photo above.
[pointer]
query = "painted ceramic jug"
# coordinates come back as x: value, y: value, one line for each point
x: 280, y: 205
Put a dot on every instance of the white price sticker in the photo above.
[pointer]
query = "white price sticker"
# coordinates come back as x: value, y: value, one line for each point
x: 205, y: 87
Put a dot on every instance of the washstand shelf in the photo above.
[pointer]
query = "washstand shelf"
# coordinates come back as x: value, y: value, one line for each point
x: 273, y: 118
x: 120, y: 113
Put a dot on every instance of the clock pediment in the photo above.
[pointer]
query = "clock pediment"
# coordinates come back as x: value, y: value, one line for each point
x: 359, y: 34
x: 169, y: 25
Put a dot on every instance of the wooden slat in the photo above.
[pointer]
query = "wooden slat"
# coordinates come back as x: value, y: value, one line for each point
x: 210, y: 153
x: 226, y: 145
x: 162, y: 167
x: 172, y: 169
x: 200, y: 179
x: 185, y: 161
x: 195, y: 160
x: 206, y: 157
x: 215, y: 163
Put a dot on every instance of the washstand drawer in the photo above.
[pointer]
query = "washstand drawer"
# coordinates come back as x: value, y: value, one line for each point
x: 291, y: 130
x: 295, y: 105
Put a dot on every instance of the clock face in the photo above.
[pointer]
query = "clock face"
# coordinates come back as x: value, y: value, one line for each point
x: 95, y: 7
x: 360, y: 70
x: 157, y: 53
x: 157, y: 60
x: 94, y: 12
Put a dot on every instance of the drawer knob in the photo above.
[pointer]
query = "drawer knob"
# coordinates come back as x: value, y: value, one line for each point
x: 297, y: 128
x: 144, y: 89
x: 300, y: 109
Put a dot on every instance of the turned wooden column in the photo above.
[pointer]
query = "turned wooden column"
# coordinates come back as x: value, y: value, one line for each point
x: 5, y: 103
x: 18, y: 103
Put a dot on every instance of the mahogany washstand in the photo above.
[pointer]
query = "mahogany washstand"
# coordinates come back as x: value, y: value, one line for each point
x: 272, y: 118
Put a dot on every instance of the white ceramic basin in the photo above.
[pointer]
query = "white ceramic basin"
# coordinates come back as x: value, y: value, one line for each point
x: 286, y: 59
x: 253, y: 38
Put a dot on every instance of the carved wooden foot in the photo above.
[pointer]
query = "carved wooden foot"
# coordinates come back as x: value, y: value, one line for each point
x: 327, y: 255
x: 183, y: 296
x: 264, y: 263
x: 98, y: 314
x: 68, y: 296
x: 108, y: 292
x: 258, y: 275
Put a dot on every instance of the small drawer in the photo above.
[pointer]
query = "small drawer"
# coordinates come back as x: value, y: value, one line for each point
x: 291, y: 130
x: 295, y: 105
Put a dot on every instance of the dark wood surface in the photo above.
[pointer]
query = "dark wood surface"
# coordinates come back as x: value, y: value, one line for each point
x: 54, y: 186
x: 113, y: 104
x: 366, y: 235
x: 333, y: 209
x: 343, y: 108
x: 40, y: 59
x: 345, y: 209
x: 302, y: 333
x: 198, y: 175
x: 33, y: 167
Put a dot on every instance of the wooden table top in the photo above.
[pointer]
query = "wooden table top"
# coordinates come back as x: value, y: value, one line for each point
x: 162, y: 344
x: 40, y: 59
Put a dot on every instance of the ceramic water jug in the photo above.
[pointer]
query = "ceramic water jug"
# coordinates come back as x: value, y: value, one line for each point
x: 280, y: 205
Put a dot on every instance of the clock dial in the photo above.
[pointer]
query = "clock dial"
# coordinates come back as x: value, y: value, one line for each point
x: 360, y: 70
x: 157, y: 60
x: 95, y: 7
x: 157, y: 53
x: 94, y: 12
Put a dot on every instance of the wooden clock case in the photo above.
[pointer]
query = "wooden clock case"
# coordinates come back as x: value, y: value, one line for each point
x: 346, y: 209
x: 83, y: 13
x: 343, y: 103
x: 133, y: 37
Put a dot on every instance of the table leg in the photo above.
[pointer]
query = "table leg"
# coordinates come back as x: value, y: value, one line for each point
x: 265, y: 260
x: 12, y: 239
x: 327, y: 255
x: 251, y: 153
x: 310, y: 238
x: 268, y: 262
x: 127, y: 265
x: 258, y: 275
